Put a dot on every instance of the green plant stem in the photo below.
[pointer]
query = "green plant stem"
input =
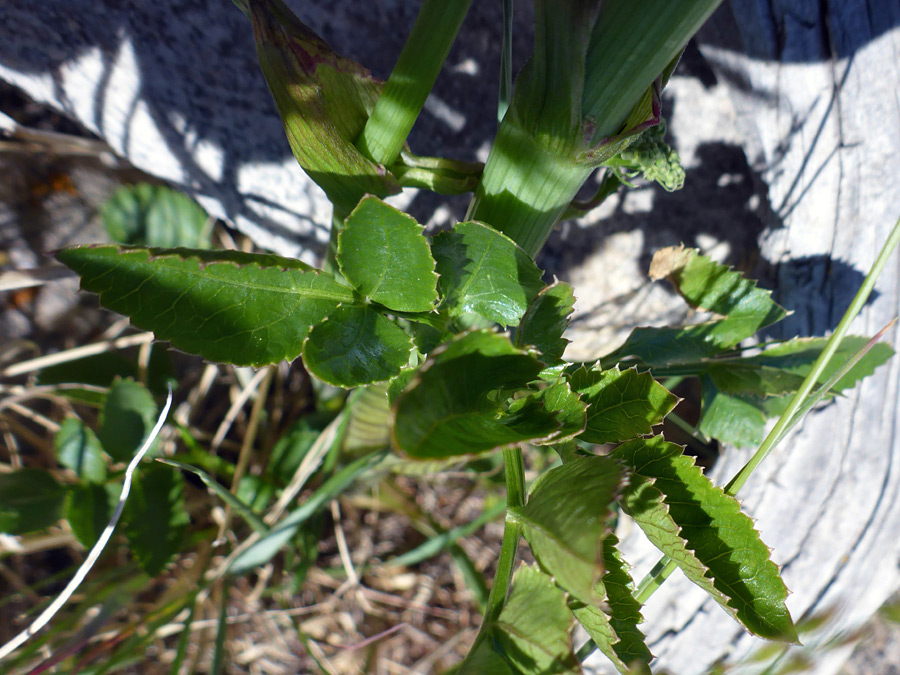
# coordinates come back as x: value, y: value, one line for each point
x: 664, y: 568
x: 525, y: 187
x: 688, y: 428
x: 512, y: 531
x: 534, y: 170
x: 505, y: 61
x: 417, y: 68
x: 632, y: 43
x: 787, y: 417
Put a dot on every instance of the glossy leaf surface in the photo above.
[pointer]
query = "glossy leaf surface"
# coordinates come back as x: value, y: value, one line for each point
x: 709, y: 285
x: 567, y: 516
x: 545, y: 321
x: 614, y: 629
x: 621, y: 404
x: 241, y: 308
x: 704, y: 531
x: 356, y: 345
x: 484, y: 272
x: 455, y: 404
x: 384, y: 255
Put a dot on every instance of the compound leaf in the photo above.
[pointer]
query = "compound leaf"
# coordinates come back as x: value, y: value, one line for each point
x: 30, y: 499
x: 241, y: 308
x: 456, y: 402
x: 704, y: 531
x: 79, y: 449
x: 568, y: 514
x: 356, y: 345
x: 155, y: 517
x: 615, y: 631
x: 621, y: 404
x: 545, y: 321
x: 383, y: 253
x: 714, y: 287
x: 484, y: 272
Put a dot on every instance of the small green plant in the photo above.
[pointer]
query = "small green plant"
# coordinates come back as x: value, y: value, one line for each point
x: 455, y: 344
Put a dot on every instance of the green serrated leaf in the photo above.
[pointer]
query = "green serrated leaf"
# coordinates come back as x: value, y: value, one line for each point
x: 383, y: 253
x: 79, y: 449
x: 798, y: 355
x: 717, y: 288
x: 455, y: 403
x: 129, y: 414
x: 661, y: 347
x: 155, y: 215
x: 566, y: 405
x: 89, y: 508
x: 615, y: 629
x: 621, y: 404
x: 737, y: 420
x: 746, y: 378
x: 356, y: 345
x: 155, y: 517
x: 568, y: 514
x: 545, y: 321
x: 30, y: 499
x: 484, y: 272
x: 704, y: 531
x: 241, y: 308
x: 533, y: 631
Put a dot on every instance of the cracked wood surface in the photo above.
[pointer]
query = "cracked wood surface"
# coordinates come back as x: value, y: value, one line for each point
x: 817, y: 109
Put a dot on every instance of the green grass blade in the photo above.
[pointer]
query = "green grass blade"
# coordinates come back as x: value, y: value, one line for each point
x: 239, y: 506
x: 263, y: 550
x: 834, y: 342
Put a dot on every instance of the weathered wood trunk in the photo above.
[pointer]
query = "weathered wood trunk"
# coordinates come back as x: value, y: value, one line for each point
x: 815, y: 92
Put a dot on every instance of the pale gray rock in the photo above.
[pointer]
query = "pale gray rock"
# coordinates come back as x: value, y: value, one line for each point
x: 176, y: 89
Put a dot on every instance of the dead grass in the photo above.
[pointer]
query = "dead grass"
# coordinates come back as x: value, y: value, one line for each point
x: 348, y: 611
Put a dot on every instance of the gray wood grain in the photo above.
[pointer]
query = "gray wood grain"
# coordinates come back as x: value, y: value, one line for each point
x: 815, y: 92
